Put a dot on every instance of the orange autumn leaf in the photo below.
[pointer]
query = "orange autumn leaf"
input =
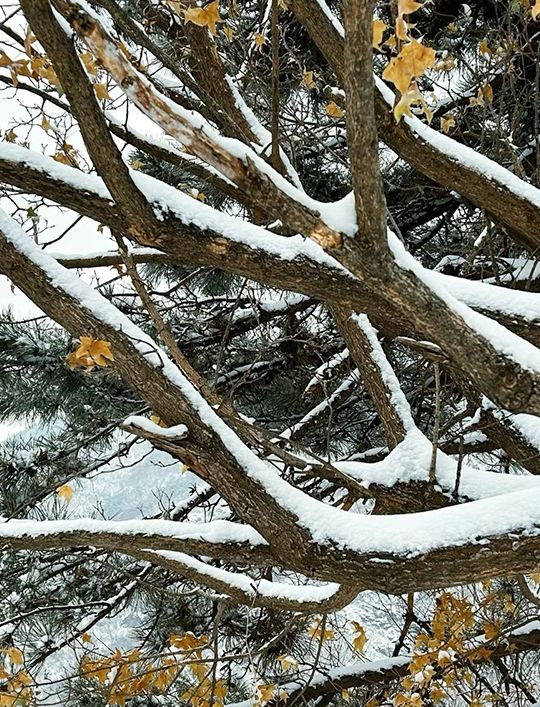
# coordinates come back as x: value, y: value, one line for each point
x: 66, y: 492
x: 409, y: 64
x: 91, y: 352
x: 204, y: 16
x: 15, y: 655
x: 333, y: 110
x: 379, y: 28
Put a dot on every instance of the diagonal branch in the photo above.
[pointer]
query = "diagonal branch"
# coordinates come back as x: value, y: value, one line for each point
x: 80, y: 94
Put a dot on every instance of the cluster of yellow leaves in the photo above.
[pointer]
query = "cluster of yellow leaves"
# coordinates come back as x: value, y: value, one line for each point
x: 16, y: 689
x: 204, y: 16
x: 35, y: 67
x: 124, y: 677
x: 443, y: 655
x: 484, y: 95
x: 206, y: 692
x: 403, y: 70
x: 90, y: 353
x: 411, y: 62
x: 67, y: 154
x: 265, y: 693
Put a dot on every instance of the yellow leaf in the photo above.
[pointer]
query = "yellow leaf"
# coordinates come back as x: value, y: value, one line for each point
x: 86, y: 638
x: 22, y: 67
x: 308, y: 81
x: 91, y: 352
x: 15, y: 655
x: 484, y: 48
x: 228, y: 32
x: 437, y: 693
x: 360, y: 638
x: 204, y: 16
x: 102, y: 92
x: 156, y: 419
x: 136, y: 164
x: 95, y: 669
x: 407, y: 7
x: 535, y: 10
x: 21, y: 679
x: 488, y: 92
x: 317, y: 631
x: 89, y: 63
x: 445, y: 64
x: 491, y: 629
x: 10, y: 136
x: 479, y: 654
x: 410, y: 98
x: 346, y: 695
x: 409, y: 64
x: 29, y: 39
x: 66, y: 492
x: 378, y: 30
x: 447, y: 123
x: 260, y: 39
x: 45, y: 123
x: 333, y: 110
x: 265, y: 693
x: 287, y: 662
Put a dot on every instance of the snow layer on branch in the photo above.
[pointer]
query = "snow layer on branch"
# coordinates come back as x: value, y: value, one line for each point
x: 401, y: 535
x: 397, y: 397
x: 410, y: 461
x: 504, y: 341
x: 528, y: 426
x: 143, y: 423
x: 190, y: 211
x: 324, y: 370
x: 354, y: 670
x: 252, y: 587
x: 463, y: 155
x: 215, y: 532
x: 56, y: 170
x: 482, y: 295
x: 333, y: 19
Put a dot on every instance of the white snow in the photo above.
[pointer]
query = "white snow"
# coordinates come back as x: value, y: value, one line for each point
x: 143, y: 423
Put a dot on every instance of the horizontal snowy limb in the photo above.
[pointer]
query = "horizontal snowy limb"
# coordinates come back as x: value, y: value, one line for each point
x: 380, y: 673
x: 398, y: 553
x: 217, y: 539
x: 246, y: 590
